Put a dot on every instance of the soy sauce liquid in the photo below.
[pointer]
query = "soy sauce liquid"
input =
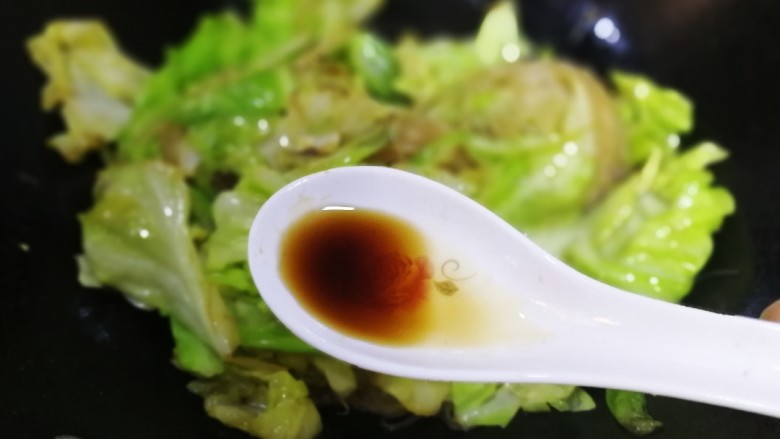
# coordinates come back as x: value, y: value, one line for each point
x: 362, y: 272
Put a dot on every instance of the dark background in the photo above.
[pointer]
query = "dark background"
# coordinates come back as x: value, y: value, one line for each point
x: 84, y: 363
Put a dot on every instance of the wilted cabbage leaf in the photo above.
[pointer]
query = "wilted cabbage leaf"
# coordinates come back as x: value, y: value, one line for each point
x: 420, y: 397
x: 497, y: 404
x: 629, y: 409
x: 93, y: 82
x: 655, y: 116
x: 653, y: 233
x: 266, y: 401
x: 136, y: 240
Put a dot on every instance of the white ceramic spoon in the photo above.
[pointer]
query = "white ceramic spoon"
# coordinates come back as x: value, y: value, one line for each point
x: 546, y: 323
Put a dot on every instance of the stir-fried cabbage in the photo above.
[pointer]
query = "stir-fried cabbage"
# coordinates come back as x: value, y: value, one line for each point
x: 593, y: 171
x: 136, y: 239
x: 93, y: 82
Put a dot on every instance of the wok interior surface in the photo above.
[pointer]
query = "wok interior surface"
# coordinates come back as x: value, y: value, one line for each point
x: 83, y: 363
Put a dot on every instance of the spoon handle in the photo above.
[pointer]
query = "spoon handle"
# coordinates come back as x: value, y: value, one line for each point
x: 656, y: 347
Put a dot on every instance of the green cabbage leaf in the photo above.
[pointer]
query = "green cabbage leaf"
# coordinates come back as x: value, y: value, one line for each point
x: 654, y: 232
x: 137, y: 240
x: 89, y: 77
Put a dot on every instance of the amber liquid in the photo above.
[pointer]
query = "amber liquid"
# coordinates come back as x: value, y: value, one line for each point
x: 360, y: 271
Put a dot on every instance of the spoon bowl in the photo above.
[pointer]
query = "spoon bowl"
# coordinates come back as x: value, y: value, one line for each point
x: 517, y: 314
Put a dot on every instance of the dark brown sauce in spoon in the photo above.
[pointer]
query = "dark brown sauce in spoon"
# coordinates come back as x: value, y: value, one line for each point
x: 363, y: 272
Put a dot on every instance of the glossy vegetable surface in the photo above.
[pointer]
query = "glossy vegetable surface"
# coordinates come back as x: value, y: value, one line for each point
x: 91, y: 318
